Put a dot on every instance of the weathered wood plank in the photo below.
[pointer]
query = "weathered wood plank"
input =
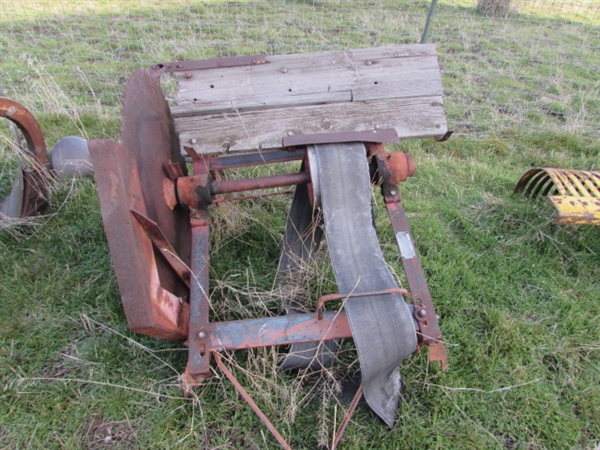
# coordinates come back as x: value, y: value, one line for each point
x: 292, y: 80
x: 416, y: 117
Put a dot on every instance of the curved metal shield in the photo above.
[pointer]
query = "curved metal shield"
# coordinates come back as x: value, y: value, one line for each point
x: 147, y: 130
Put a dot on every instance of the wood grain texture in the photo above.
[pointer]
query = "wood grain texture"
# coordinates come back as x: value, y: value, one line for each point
x: 251, y: 107
x: 417, y: 117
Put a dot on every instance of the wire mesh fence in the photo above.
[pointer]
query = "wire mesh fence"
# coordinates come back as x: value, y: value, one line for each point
x: 531, y: 63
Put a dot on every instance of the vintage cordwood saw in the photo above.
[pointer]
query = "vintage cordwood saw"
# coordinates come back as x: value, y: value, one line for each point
x: 332, y: 111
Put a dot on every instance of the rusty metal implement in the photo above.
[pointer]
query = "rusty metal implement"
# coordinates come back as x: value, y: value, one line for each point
x: 30, y: 189
x: 575, y: 194
x: 157, y: 217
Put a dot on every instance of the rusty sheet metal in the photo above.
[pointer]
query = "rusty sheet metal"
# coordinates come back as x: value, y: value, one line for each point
x: 147, y: 131
x: 575, y: 194
x: 30, y: 191
x: 150, y: 309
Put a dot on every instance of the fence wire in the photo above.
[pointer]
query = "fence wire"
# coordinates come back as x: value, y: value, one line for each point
x: 533, y: 64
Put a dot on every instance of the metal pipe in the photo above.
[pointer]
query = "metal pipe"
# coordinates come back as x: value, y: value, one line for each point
x: 430, y: 14
x: 249, y: 184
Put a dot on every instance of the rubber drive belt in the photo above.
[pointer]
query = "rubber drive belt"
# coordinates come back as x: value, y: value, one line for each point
x: 382, y: 325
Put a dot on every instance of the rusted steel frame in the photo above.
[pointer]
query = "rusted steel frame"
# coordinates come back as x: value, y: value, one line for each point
x: 424, y: 309
x: 278, y: 330
x: 35, y: 186
x: 330, y: 297
x: 346, y: 420
x: 198, y: 366
x: 250, y: 401
x: 248, y: 184
x: 202, y: 64
x: 430, y: 333
x: 254, y: 159
x: 388, y: 135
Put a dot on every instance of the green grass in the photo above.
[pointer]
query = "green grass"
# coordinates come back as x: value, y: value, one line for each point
x: 518, y: 295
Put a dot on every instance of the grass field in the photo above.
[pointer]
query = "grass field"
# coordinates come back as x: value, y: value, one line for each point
x: 518, y: 295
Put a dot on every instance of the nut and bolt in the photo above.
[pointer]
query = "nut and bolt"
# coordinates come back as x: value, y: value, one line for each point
x: 422, y: 313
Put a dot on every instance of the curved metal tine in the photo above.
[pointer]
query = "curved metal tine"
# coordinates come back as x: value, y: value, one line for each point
x: 590, y: 180
x: 525, y: 179
x: 538, y: 184
x: 577, y: 178
x: 595, y: 178
x: 563, y: 182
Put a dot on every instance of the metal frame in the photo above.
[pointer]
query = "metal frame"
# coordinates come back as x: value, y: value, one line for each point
x: 174, y: 318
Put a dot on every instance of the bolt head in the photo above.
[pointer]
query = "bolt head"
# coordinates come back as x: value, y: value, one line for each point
x: 422, y: 313
x: 193, y: 140
x: 202, y: 335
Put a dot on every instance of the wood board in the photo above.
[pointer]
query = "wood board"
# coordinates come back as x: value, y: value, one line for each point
x: 254, y: 106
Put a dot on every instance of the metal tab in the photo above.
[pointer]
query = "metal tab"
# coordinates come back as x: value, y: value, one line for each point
x: 202, y: 64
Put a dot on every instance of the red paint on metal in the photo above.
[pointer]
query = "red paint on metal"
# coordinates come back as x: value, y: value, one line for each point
x: 278, y: 330
x: 149, y: 307
x: 248, y: 184
x: 430, y: 333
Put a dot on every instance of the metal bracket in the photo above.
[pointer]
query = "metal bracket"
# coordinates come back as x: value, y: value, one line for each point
x: 157, y: 70
x: 388, y: 135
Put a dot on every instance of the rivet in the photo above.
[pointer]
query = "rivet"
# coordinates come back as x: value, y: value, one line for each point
x: 377, y: 127
x: 283, y: 70
x: 193, y: 140
x: 369, y: 62
x: 202, y: 335
x: 290, y: 133
x: 438, y: 126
